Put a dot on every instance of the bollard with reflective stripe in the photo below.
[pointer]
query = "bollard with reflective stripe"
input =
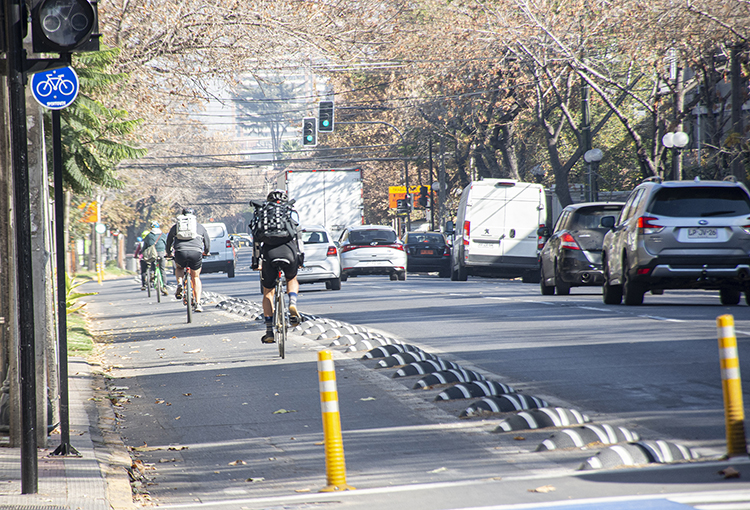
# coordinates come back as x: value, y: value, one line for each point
x: 734, y: 411
x: 329, y: 406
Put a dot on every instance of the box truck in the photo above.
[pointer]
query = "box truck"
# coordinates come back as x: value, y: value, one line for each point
x: 329, y: 197
x: 496, y: 230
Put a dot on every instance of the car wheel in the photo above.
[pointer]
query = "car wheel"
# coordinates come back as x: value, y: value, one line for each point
x: 328, y: 285
x: 444, y: 273
x: 454, y: 273
x: 530, y: 276
x: 462, y: 274
x: 747, y: 297
x: 344, y: 277
x: 729, y: 296
x: 230, y: 273
x: 547, y: 290
x: 401, y: 275
x: 561, y: 288
x: 334, y: 284
x: 632, y: 292
x: 611, y: 294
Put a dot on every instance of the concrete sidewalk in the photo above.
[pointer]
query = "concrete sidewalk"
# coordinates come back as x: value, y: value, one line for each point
x: 97, y: 480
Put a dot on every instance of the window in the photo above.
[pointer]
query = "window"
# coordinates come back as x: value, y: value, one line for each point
x: 314, y: 237
x: 360, y: 237
x: 700, y: 202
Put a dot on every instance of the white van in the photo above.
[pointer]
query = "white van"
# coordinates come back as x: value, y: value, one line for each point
x: 496, y: 230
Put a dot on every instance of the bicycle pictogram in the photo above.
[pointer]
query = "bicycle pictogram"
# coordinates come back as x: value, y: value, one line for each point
x: 56, y: 83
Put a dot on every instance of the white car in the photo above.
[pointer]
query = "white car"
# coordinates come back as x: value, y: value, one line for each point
x: 322, y: 262
x: 223, y: 256
x: 372, y: 249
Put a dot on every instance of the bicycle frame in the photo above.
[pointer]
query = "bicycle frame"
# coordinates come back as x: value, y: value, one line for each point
x: 280, y: 315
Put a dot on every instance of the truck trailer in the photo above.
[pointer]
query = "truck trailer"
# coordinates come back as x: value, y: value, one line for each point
x: 328, y: 197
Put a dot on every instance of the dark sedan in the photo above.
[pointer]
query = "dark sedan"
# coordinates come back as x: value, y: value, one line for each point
x: 427, y: 252
x: 572, y: 256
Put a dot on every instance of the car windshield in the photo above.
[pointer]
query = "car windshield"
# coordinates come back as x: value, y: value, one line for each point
x: 424, y: 238
x: 586, y: 219
x: 314, y: 237
x: 372, y: 237
x: 700, y: 202
x: 215, y: 231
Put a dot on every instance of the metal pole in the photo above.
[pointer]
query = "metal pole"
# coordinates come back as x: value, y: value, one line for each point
x: 15, y: 62
x: 65, y: 447
x: 432, y: 194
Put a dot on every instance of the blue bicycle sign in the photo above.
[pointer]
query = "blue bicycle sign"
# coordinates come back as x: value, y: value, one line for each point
x: 55, y: 89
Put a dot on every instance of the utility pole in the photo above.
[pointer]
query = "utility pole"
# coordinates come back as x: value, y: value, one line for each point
x: 738, y: 169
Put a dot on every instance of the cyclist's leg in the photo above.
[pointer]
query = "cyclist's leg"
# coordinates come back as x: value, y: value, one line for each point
x: 268, y: 278
x: 178, y: 273
x: 292, y: 289
x: 144, y: 270
x: 195, y: 275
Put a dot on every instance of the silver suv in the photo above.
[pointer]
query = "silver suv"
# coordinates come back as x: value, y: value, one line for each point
x: 679, y: 235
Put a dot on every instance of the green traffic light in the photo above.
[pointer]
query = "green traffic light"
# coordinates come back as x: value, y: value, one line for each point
x: 309, y: 138
x: 326, y: 123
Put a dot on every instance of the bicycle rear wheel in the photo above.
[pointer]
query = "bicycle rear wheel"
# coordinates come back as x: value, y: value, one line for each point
x: 158, y: 284
x: 279, y: 316
x: 148, y: 280
x: 188, y: 296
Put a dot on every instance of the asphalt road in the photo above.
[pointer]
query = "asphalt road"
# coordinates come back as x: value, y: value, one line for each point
x: 217, y: 417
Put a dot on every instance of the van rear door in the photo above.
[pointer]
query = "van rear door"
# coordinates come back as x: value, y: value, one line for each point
x: 486, y: 217
x: 523, y: 215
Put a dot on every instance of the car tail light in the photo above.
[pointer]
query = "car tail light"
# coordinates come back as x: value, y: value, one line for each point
x: 467, y: 232
x: 395, y: 246
x: 348, y: 247
x: 447, y: 251
x: 646, y: 225
x: 643, y: 270
x: 229, y: 244
x: 331, y: 251
x: 568, y: 242
x: 540, y: 239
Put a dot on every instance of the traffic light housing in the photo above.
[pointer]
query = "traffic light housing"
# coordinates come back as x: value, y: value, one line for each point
x: 402, y: 206
x: 410, y: 202
x: 64, y: 26
x: 325, y: 117
x: 309, y: 134
x: 423, y: 200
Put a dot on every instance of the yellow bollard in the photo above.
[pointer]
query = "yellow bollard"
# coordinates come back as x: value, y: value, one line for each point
x: 329, y: 406
x: 99, y: 273
x: 734, y: 411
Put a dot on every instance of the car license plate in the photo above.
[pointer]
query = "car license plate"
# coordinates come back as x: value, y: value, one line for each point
x: 304, y: 269
x: 426, y: 252
x: 702, y: 233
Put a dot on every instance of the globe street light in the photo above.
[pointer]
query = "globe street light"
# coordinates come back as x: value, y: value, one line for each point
x: 675, y: 142
x: 592, y: 158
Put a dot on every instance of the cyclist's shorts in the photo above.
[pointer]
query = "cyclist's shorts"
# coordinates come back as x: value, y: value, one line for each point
x: 191, y: 259
x: 286, y: 256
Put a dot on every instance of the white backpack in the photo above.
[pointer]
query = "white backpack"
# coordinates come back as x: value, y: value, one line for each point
x: 187, y: 227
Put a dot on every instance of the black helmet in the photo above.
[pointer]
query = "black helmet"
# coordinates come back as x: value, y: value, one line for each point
x: 277, y: 195
x: 188, y: 210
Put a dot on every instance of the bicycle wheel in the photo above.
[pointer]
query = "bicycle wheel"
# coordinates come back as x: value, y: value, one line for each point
x: 148, y: 280
x: 158, y: 285
x: 188, y: 295
x: 279, y: 313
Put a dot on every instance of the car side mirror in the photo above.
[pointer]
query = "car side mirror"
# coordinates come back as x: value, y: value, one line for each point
x: 607, y: 221
x: 542, y: 232
x: 450, y: 229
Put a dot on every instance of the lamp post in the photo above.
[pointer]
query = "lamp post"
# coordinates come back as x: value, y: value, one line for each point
x: 592, y: 158
x: 675, y: 142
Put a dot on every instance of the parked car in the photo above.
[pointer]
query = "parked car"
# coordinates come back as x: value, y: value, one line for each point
x: 572, y: 256
x: 241, y: 239
x: 679, y: 235
x: 428, y: 252
x: 223, y: 256
x: 322, y: 263
x: 372, y: 249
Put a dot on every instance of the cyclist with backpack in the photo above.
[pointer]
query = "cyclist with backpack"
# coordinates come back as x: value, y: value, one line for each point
x: 276, y: 246
x: 154, y: 250
x: 189, y: 242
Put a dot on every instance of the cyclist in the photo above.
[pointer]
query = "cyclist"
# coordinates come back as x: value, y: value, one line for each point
x: 157, y: 238
x: 189, y: 241
x: 281, y: 252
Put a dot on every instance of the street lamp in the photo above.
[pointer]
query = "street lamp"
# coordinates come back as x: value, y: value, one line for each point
x: 675, y: 142
x: 592, y: 158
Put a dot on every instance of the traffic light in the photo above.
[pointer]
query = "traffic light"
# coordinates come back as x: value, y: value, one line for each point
x: 423, y: 201
x: 325, y: 117
x: 64, y: 26
x: 402, y: 206
x: 410, y: 202
x: 309, y: 135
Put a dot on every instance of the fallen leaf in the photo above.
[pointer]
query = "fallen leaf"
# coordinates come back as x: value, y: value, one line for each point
x: 146, y: 448
x: 320, y: 443
x: 729, y: 472
x: 238, y: 463
x: 194, y: 351
x: 259, y: 479
x: 178, y: 417
x: 177, y: 448
x: 543, y: 489
x: 301, y: 490
x: 284, y: 411
x: 519, y: 438
x: 366, y: 399
x: 167, y: 460
x: 187, y: 394
x: 162, y: 348
x: 159, y: 401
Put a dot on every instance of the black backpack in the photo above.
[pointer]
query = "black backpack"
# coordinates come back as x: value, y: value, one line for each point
x: 272, y: 223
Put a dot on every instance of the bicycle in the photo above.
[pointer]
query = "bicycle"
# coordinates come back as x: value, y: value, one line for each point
x: 188, y: 298
x: 158, y: 280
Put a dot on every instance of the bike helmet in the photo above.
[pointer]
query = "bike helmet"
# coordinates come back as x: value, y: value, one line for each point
x: 140, y: 239
x: 188, y: 210
x: 277, y: 195
x: 154, y: 224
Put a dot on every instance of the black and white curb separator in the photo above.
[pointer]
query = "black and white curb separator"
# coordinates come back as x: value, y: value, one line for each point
x: 542, y: 418
x: 503, y: 404
x: 587, y: 435
x: 355, y: 338
x: 448, y: 377
x: 425, y: 367
x: 404, y: 358
x: 474, y: 389
x: 387, y: 350
x: 639, y: 453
